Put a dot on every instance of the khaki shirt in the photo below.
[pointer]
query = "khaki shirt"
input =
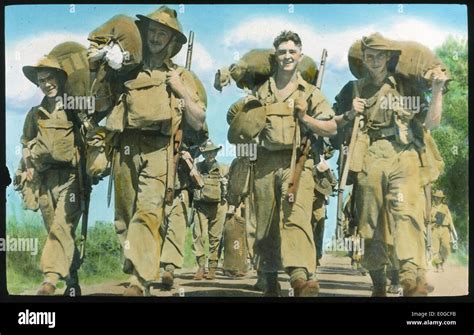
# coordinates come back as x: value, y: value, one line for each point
x: 30, y: 126
x: 318, y: 107
x: 445, y: 214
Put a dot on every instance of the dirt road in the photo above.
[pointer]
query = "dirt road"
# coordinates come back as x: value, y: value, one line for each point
x: 336, y: 277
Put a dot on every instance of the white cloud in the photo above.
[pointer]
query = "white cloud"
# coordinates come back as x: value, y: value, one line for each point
x: 202, y: 61
x: 260, y: 32
x: 28, y: 51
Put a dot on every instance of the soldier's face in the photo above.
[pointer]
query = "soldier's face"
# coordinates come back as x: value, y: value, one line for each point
x: 288, y: 55
x: 157, y: 37
x: 376, y: 60
x: 48, y: 83
x: 210, y: 156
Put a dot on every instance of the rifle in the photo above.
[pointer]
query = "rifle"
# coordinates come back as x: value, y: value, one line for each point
x: 345, y: 170
x: 178, y: 137
x: 111, y: 177
x: 427, y: 190
x: 84, y: 190
x: 193, y: 172
x: 453, y: 236
x: 297, y: 165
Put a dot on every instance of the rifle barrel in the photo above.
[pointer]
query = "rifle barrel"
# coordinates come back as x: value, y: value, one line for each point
x: 189, y: 54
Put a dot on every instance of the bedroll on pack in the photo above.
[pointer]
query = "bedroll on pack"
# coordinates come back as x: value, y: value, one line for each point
x: 123, y: 31
x: 256, y: 66
x: 414, y: 62
x: 248, y: 120
x: 72, y: 57
x: 235, y: 245
x: 119, y: 31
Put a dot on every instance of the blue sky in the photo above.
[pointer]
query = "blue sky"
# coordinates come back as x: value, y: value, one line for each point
x: 222, y: 32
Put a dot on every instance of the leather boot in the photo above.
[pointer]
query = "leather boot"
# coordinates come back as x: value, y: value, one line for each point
x: 199, y: 275
x: 133, y: 291
x: 410, y: 288
x: 167, y: 279
x: 211, y: 275
x: 305, y: 288
x: 46, y: 288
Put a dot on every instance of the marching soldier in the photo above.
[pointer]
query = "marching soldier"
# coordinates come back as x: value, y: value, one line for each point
x: 325, y: 183
x: 388, y: 188
x: 441, y: 229
x: 159, y: 99
x: 291, y: 108
x: 51, y: 152
x: 174, y: 227
x: 211, y: 207
x: 173, y: 232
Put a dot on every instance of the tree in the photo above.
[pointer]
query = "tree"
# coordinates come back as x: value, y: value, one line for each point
x: 452, y: 135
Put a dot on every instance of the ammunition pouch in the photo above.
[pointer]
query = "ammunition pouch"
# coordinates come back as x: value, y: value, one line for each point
x: 148, y: 102
x: 211, y: 192
x: 54, y: 144
x: 280, y: 127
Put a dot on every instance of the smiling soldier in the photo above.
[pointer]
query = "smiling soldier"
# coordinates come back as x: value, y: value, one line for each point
x: 293, y: 109
x: 50, y: 142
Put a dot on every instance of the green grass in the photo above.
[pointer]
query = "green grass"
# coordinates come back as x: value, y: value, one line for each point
x: 461, y: 256
x: 103, y: 260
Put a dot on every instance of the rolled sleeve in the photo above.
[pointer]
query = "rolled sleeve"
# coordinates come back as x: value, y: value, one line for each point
x: 321, y: 109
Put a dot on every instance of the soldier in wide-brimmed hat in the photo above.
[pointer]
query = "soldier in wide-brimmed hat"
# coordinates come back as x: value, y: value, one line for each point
x: 158, y: 98
x: 442, y: 229
x: 50, y: 147
x: 211, y: 206
x: 385, y: 163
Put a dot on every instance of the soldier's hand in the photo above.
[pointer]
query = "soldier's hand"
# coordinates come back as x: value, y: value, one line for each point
x: 300, y: 105
x: 438, y: 78
x: 358, y: 105
x: 174, y: 81
x: 322, y: 166
x: 30, y: 174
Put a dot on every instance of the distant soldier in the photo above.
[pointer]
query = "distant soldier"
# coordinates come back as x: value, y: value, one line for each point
x: 325, y: 182
x: 442, y: 228
x: 211, y: 207
x: 387, y: 162
x: 52, y: 147
x: 159, y: 99
x: 284, y: 236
